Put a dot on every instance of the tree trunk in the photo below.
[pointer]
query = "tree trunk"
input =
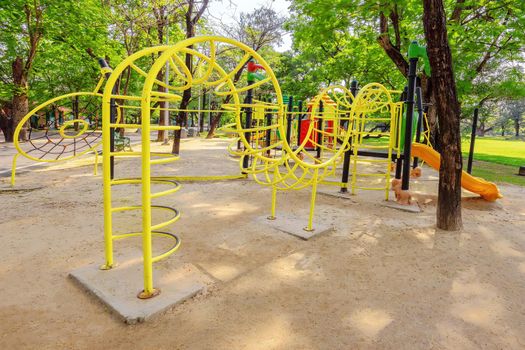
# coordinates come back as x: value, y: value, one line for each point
x: 163, y: 106
x: 186, y: 95
x: 447, y: 108
x: 217, y: 117
x: 517, y: 127
x: 6, y: 122
x: 213, y: 126
x: 215, y: 120
x: 20, y: 102
x: 181, y: 117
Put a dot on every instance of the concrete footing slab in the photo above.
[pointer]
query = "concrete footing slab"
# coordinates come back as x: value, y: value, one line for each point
x: 118, y: 288
x: 296, y: 226
x: 412, y: 208
x: 336, y: 193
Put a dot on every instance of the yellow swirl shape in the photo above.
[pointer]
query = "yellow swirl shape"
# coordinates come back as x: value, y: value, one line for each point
x: 72, y: 123
x: 53, y: 145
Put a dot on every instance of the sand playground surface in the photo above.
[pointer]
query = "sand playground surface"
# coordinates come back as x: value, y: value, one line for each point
x: 382, y: 279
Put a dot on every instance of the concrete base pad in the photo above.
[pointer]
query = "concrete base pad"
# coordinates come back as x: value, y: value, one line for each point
x: 412, y: 208
x: 295, y: 226
x: 335, y: 193
x: 118, y: 288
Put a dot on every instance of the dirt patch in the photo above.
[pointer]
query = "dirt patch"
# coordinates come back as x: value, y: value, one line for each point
x: 382, y: 279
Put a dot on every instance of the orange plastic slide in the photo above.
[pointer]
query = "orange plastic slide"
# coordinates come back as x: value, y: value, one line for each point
x: 488, y: 190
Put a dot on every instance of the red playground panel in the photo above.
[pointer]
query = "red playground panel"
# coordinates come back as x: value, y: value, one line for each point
x: 305, y: 125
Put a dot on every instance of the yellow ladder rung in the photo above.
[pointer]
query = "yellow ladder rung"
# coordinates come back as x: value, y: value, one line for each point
x: 163, y: 160
x: 166, y: 223
x: 131, y: 207
x: 166, y: 192
x: 139, y: 126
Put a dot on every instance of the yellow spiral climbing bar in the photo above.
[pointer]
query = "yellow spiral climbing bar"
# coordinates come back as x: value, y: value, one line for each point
x: 148, y: 96
x: 207, y: 72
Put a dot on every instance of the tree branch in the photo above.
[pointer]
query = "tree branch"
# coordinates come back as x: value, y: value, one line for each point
x: 458, y: 9
x: 199, y: 13
x: 394, y: 53
x: 394, y: 18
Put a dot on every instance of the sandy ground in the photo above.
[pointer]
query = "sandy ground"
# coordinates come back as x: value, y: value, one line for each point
x: 384, y: 279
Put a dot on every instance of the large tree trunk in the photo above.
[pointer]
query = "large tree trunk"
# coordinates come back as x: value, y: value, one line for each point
x: 6, y: 121
x: 447, y: 108
x: 20, y: 102
x: 517, y: 127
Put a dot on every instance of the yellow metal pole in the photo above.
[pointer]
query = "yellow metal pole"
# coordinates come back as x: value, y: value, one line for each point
x: 274, y: 200
x: 312, y: 201
x: 95, y: 171
x: 13, y: 170
x: 148, y: 291
x: 106, y: 174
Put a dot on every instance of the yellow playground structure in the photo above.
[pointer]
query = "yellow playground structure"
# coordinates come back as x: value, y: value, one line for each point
x: 282, y: 147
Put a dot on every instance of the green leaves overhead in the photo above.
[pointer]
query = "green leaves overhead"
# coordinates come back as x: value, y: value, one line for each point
x: 335, y: 41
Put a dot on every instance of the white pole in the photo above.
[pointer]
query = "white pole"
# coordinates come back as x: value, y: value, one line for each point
x: 166, y: 104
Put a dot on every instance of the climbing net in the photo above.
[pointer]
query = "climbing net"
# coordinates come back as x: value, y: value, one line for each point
x: 61, y: 128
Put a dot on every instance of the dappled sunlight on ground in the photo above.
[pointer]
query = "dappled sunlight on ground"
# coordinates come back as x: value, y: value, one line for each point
x: 369, y: 322
x: 383, y: 279
x: 476, y: 303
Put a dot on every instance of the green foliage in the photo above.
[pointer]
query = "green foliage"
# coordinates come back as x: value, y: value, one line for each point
x: 61, y: 63
x: 337, y: 41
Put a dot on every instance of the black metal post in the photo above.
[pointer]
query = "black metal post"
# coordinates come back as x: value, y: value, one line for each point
x: 202, y: 114
x: 299, y: 121
x: 289, y: 118
x: 399, y: 161
x: 248, y: 124
x: 268, y: 116
x: 472, y: 141
x: 419, y: 106
x: 76, y: 116
x: 75, y: 111
x: 210, y: 114
x: 320, y: 128
x: 346, y: 159
x: 412, y: 66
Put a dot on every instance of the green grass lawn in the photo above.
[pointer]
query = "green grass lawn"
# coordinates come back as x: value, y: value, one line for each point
x: 497, y: 150
x: 495, y: 172
x: 496, y: 159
